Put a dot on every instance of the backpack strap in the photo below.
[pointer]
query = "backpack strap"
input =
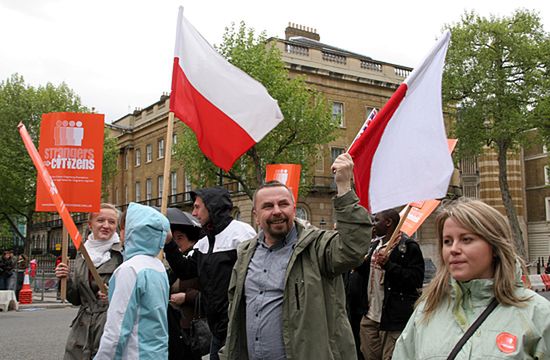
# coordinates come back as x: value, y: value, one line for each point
x: 489, y: 309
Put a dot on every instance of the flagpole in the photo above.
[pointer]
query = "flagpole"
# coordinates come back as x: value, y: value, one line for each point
x: 167, y: 166
x: 167, y: 163
x: 393, y: 240
x: 64, y: 260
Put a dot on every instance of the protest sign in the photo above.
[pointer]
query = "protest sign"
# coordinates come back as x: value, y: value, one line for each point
x: 71, y: 147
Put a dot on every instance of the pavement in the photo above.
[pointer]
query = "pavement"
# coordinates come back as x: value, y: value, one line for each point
x: 48, y: 300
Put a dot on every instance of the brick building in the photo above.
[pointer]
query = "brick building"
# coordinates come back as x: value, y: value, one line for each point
x: 353, y: 84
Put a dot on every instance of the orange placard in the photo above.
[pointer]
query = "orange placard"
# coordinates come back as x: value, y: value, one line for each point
x: 420, y: 210
x: 452, y: 144
x: 46, y: 181
x: 71, y: 147
x: 288, y: 174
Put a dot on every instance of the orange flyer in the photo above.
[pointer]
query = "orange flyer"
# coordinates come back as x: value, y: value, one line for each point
x: 288, y: 174
x: 71, y: 147
x: 419, y: 212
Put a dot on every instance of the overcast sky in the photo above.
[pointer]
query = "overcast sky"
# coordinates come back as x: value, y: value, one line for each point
x: 117, y: 54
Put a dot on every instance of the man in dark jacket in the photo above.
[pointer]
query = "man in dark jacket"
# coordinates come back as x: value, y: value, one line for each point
x: 213, y: 257
x: 7, y: 266
x: 391, y: 279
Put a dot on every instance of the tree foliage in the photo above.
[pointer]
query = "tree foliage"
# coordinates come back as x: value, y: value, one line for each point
x: 307, y: 118
x: 496, y: 74
x: 20, y: 102
x: 109, y: 170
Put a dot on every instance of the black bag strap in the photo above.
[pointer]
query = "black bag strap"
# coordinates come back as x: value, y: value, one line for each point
x: 489, y: 309
x: 197, y: 312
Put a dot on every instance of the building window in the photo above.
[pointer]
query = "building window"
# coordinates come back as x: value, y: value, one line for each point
x: 547, y: 175
x: 368, y: 109
x: 138, y: 191
x: 126, y: 200
x: 320, y: 162
x: 173, y: 183
x: 148, y: 189
x: 301, y: 213
x: 547, y: 205
x: 188, y: 188
x: 161, y: 148
x: 338, y: 113
x: 236, y: 214
x: 149, y: 152
x: 137, y: 155
x: 174, y: 142
x: 335, y: 152
x: 160, y: 180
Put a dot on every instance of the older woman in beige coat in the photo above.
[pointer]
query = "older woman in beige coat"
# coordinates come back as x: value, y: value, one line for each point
x: 105, y: 249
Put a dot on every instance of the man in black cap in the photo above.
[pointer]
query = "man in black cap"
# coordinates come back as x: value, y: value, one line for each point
x: 213, y: 257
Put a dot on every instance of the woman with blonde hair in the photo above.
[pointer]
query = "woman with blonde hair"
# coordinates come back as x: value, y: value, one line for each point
x: 477, y: 290
x: 105, y: 249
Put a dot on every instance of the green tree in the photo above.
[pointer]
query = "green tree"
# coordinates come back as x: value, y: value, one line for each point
x: 110, y: 152
x: 307, y: 118
x: 20, y: 102
x: 496, y: 74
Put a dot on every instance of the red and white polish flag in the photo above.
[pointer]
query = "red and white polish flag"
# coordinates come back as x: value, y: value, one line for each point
x: 228, y: 110
x: 403, y: 154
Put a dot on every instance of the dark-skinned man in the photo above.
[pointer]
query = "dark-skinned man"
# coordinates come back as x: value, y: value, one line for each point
x: 390, y: 287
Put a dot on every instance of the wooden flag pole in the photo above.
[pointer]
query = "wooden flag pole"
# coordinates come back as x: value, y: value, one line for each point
x: 64, y: 260
x: 392, y: 243
x: 167, y: 167
x: 98, y: 280
x: 167, y: 163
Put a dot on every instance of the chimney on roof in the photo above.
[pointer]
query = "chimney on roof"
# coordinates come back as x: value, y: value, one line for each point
x: 300, y: 30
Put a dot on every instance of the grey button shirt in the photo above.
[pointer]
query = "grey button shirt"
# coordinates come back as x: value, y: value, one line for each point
x: 264, y: 291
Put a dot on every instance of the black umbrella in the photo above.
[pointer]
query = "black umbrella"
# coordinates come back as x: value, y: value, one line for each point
x: 183, y: 221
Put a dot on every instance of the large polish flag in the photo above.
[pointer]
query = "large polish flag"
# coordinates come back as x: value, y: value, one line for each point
x: 403, y: 154
x: 228, y: 110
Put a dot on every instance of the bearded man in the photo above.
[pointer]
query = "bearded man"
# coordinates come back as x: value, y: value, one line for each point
x: 286, y: 295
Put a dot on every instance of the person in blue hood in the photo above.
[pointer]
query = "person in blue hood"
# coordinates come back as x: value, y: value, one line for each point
x: 137, y: 326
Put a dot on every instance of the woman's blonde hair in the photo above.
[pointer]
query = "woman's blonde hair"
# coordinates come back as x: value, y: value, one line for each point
x: 105, y: 206
x: 486, y: 222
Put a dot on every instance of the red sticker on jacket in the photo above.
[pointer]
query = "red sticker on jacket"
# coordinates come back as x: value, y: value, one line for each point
x: 506, y: 342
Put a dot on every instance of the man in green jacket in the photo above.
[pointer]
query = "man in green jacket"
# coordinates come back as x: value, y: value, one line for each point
x: 286, y: 296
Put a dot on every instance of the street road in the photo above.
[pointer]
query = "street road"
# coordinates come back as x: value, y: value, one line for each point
x: 35, y: 333
x: 40, y: 334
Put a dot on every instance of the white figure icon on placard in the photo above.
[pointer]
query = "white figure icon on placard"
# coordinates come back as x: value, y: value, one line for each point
x: 68, y: 133
x: 281, y: 175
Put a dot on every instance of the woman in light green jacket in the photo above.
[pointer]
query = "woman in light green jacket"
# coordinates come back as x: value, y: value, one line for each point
x: 478, y: 263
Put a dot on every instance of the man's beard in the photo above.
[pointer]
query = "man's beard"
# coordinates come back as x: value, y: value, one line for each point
x: 278, y: 234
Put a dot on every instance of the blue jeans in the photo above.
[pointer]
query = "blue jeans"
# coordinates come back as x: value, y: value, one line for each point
x: 7, y: 282
x: 215, y: 347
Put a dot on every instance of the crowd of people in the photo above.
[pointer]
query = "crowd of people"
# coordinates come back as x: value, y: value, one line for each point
x: 12, y: 270
x: 294, y: 291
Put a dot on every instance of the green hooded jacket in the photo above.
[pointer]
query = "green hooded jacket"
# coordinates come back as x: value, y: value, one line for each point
x: 315, y: 323
x: 510, y: 332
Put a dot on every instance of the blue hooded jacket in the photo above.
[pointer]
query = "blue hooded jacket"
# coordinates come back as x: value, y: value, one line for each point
x: 137, y: 327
